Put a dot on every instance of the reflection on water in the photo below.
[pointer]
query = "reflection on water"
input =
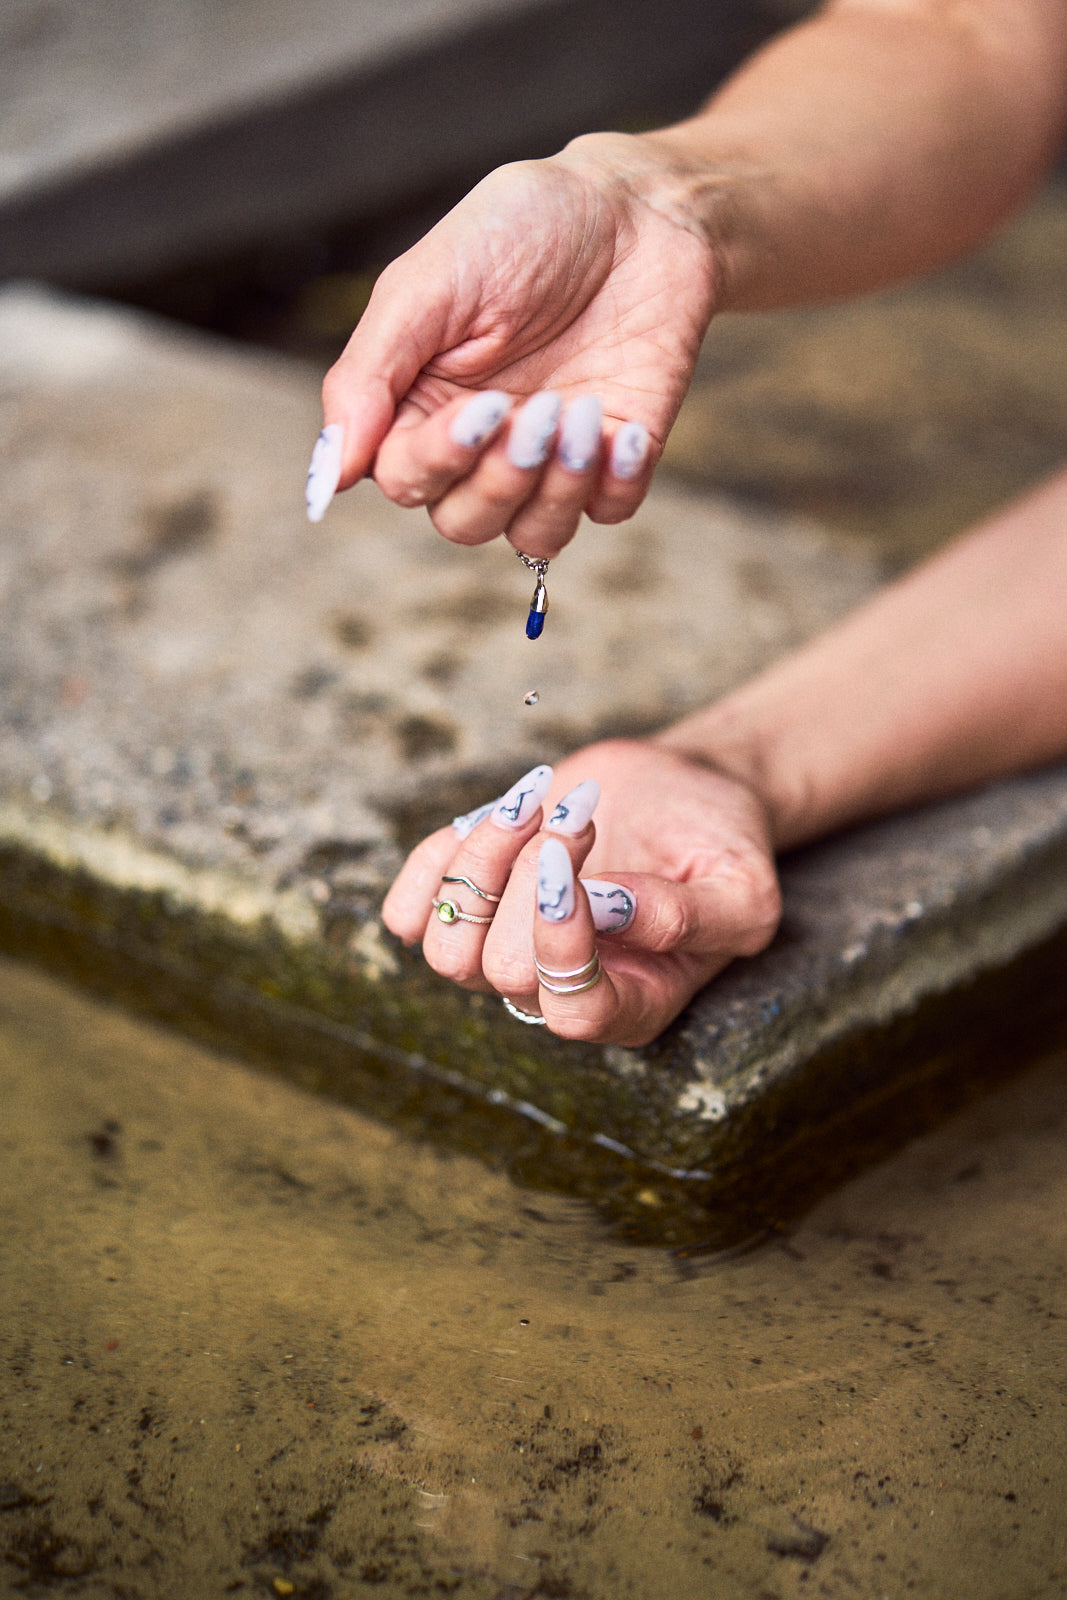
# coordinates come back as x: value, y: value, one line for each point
x: 252, y: 1341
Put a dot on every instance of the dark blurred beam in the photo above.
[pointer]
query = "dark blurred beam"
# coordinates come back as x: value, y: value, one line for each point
x: 385, y: 133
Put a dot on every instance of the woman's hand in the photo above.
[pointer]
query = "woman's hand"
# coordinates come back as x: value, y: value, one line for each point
x: 676, y: 879
x: 581, y: 279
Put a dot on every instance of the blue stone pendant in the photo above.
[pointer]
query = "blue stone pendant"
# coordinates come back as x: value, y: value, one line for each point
x: 535, y: 622
x: 538, y: 606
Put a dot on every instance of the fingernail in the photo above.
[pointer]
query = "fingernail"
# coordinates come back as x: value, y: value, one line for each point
x: 324, y: 471
x: 515, y: 809
x: 612, y: 906
x: 555, y: 881
x: 479, y: 418
x: 533, y: 430
x: 572, y: 813
x: 579, y: 435
x: 468, y: 822
x: 629, y: 450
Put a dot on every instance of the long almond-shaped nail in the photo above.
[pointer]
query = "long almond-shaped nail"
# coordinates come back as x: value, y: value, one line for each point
x: 515, y: 809
x: 579, y: 434
x: 470, y: 820
x: 534, y: 429
x: 324, y: 471
x: 479, y: 419
x: 555, y: 882
x: 572, y: 813
x: 629, y: 450
x: 612, y: 906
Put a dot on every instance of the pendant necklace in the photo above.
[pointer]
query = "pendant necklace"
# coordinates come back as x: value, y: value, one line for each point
x: 535, y: 621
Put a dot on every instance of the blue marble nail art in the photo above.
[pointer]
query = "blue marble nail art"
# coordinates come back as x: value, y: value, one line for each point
x: 516, y: 808
x: 612, y: 906
x: 555, y: 882
x: 324, y: 471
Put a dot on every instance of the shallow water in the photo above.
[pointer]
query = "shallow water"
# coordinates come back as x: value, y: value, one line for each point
x: 251, y: 1342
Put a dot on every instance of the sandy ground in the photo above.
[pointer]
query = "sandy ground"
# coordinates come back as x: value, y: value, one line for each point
x: 251, y: 1342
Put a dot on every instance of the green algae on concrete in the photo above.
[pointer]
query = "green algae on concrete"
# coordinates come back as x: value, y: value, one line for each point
x: 221, y: 729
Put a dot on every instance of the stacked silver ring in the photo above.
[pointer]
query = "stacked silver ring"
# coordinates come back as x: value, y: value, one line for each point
x: 586, y: 975
x: 448, y: 911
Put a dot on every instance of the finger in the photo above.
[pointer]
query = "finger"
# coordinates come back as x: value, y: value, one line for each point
x: 461, y: 911
x: 483, y: 504
x: 627, y: 473
x: 549, y: 519
x: 401, y: 330
x: 422, y: 456
x: 404, y: 907
x: 576, y: 994
x: 507, y: 959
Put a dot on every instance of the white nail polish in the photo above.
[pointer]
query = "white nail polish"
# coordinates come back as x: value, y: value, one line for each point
x: 579, y: 434
x: 572, y: 813
x: 324, y: 470
x: 612, y: 906
x: 516, y: 808
x: 629, y: 450
x: 533, y: 430
x: 479, y: 418
x: 555, y: 882
x: 470, y: 820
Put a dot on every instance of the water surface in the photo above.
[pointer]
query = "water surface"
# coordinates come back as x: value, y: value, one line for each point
x: 251, y: 1342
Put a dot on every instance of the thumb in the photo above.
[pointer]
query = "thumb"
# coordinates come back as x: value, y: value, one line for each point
x: 399, y: 333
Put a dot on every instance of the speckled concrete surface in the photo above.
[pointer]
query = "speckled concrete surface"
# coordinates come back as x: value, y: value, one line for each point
x: 221, y: 728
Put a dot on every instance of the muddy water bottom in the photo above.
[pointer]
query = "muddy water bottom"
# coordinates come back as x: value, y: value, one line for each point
x: 253, y: 1343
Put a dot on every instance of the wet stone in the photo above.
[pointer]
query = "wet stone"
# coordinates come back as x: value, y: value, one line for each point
x: 204, y: 795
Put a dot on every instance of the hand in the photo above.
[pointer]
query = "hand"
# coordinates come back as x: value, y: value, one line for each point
x: 580, y: 277
x: 687, y: 848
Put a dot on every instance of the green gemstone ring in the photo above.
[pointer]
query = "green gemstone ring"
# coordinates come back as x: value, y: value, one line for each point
x: 448, y: 912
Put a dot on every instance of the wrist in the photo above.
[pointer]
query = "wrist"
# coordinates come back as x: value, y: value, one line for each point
x: 657, y: 172
x: 732, y: 738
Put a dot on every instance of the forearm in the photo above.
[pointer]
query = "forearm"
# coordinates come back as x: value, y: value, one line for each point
x: 955, y: 674
x: 871, y: 142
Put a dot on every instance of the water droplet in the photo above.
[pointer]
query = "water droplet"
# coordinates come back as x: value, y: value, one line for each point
x: 531, y: 697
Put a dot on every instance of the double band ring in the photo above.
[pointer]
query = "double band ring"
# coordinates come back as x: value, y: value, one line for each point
x: 586, y: 976
x: 448, y: 911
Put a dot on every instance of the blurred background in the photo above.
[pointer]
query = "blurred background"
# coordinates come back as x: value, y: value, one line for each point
x: 249, y: 166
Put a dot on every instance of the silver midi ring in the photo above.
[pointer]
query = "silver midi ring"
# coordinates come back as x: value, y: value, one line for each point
x: 483, y: 894
x: 572, y: 972
x: 530, y: 1017
x: 592, y: 967
x: 448, y: 911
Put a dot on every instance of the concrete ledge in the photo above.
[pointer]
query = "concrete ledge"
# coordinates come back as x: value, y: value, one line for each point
x: 222, y: 728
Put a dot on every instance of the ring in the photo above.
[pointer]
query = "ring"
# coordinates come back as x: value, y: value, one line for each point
x: 592, y: 966
x: 573, y: 972
x: 483, y: 894
x: 523, y: 1016
x: 448, y: 911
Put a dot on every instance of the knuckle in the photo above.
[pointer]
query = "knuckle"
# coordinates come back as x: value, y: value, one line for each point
x: 451, y: 962
x: 399, y: 487
x: 669, y: 927
x: 760, y: 907
x: 510, y: 975
x: 581, y: 1027
x: 453, y: 526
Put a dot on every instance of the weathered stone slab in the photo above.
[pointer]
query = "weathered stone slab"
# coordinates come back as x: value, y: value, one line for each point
x: 137, y: 137
x: 221, y: 728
